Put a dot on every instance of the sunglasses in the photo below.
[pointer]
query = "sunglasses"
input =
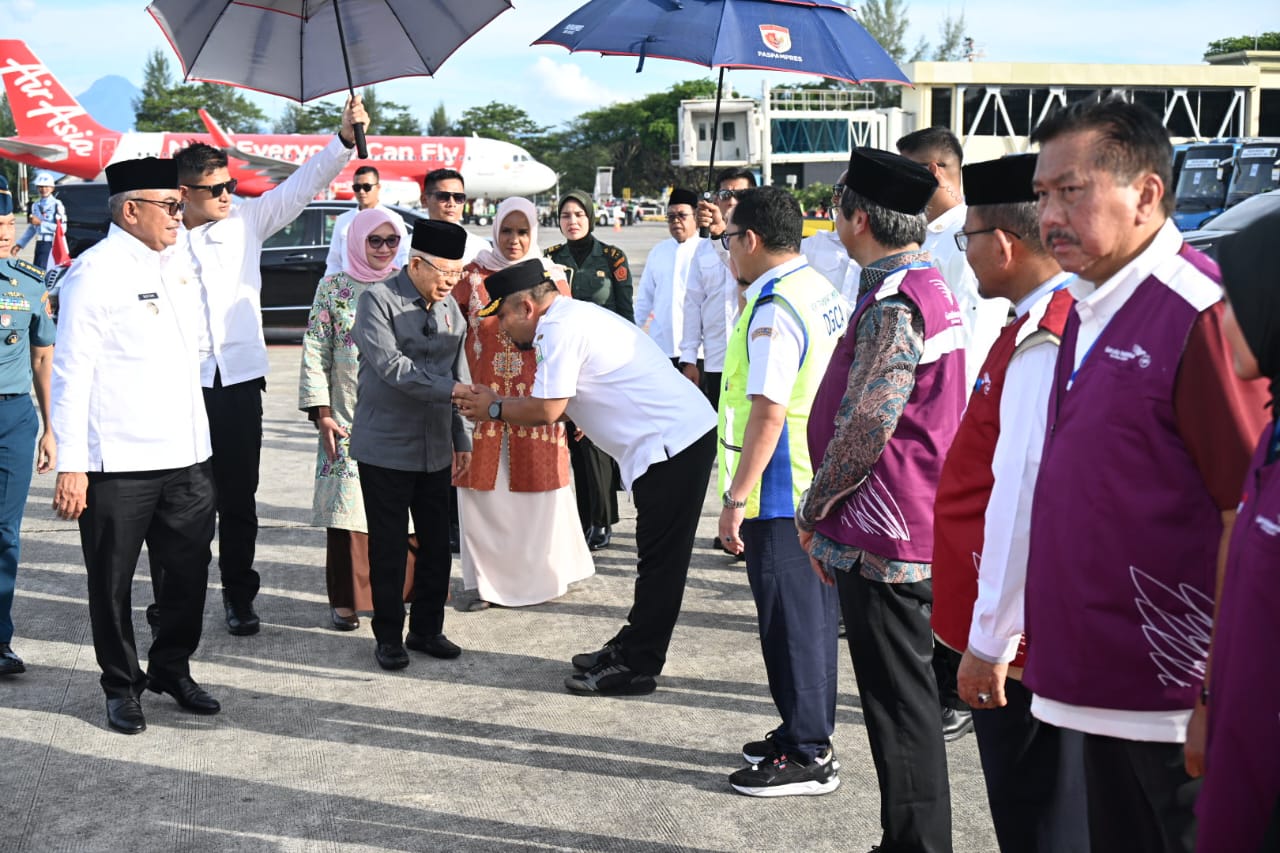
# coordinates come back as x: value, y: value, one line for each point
x: 216, y: 190
x: 377, y: 241
x: 444, y: 197
x: 676, y: 217
x: 362, y: 188
x: 725, y: 195
x: 173, y: 208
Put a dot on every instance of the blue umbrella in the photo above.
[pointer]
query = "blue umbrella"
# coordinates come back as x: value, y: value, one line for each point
x: 804, y: 36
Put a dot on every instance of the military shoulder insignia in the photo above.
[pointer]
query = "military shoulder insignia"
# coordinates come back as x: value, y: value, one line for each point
x: 30, y: 269
x: 557, y: 247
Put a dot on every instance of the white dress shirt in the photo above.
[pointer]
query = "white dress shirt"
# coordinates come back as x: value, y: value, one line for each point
x: 621, y: 390
x: 982, y: 318
x: 126, y: 370
x: 226, y: 254
x: 336, y: 260
x: 828, y: 256
x: 710, y: 307
x: 1002, y: 570
x: 661, y: 292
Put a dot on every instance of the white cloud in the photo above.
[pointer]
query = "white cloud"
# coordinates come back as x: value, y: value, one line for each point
x: 566, y: 82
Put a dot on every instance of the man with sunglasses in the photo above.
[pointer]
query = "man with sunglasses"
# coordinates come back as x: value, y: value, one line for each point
x: 224, y: 245
x: 444, y: 198
x: 133, y: 438
x: 367, y: 188
x: 659, y: 300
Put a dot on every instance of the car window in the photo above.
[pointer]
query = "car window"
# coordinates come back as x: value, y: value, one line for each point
x: 330, y: 219
x: 1244, y: 213
x: 293, y: 234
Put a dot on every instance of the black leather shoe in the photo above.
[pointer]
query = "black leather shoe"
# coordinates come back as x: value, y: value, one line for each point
x: 186, y: 693
x: 125, y: 716
x: 391, y: 656
x: 438, y: 646
x: 599, y: 538
x: 955, y: 724
x: 343, y: 623
x: 10, y: 664
x: 241, y: 620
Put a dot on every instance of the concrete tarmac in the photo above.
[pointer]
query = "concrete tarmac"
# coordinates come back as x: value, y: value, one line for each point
x: 317, y: 749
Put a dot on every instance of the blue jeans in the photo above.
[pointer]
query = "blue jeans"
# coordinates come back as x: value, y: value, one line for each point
x: 18, y: 426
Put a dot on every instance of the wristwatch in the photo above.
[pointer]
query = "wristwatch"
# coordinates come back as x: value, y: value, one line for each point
x: 729, y: 503
x: 495, y: 410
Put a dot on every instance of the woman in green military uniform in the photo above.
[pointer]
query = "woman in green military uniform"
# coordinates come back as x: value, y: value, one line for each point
x: 597, y: 273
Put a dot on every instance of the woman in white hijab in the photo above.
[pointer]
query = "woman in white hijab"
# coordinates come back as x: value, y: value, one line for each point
x: 521, y: 539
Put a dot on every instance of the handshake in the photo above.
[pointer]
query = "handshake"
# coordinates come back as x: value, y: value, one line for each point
x: 473, y: 400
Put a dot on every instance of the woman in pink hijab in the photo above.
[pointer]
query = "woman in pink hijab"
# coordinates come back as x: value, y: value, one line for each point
x: 327, y: 393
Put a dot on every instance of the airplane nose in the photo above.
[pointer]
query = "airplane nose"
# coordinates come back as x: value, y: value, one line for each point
x: 543, y: 176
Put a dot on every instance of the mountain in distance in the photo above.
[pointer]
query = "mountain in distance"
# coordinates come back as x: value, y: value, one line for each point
x: 110, y: 101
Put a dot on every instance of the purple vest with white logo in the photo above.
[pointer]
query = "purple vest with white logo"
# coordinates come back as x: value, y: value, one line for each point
x: 891, y: 513
x: 1124, y: 532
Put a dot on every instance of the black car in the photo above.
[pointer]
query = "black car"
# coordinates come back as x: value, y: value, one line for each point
x: 292, y: 262
x: 1206, y: 237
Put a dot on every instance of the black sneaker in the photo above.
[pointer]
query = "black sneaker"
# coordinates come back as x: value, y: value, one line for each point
x: 760, y: 751
x: 610, y: 677
x: 587, y: 660
x: 783, y: 777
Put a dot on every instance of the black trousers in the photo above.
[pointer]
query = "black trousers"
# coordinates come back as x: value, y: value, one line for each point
x: 172, y: 512
x: 390, y: 497
x: 1035, y: 778
x: 593, y: 483
x: 668, y: 505
x: 235, y: 428
x: 1141, y: 799
x: 797, y: 615
x: 710, y: 386
x: 891, y: 644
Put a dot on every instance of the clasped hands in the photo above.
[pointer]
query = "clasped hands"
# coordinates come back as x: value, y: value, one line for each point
x: 473, y: 400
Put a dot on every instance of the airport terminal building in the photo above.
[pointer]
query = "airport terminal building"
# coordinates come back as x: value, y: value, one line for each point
x: 801, y: 137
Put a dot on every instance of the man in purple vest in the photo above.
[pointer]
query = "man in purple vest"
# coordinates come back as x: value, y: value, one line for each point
x: 1149, y: 435
x: 882, y: 421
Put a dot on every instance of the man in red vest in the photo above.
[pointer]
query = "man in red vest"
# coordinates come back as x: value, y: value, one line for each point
x: 982, y: 518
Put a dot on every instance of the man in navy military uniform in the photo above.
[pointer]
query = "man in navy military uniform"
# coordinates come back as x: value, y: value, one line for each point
x: 26, y: 354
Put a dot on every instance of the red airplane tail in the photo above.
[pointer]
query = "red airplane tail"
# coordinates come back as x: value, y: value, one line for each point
x: 42, y: 109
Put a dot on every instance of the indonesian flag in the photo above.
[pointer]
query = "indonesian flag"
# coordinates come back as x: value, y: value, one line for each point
x: 61, y: 255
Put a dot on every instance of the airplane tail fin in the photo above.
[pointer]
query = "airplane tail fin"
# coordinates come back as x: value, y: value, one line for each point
x: 40, y: 105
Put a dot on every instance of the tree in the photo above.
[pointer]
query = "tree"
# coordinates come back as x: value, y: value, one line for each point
x: 387, y: 118
x: 315, y: 117
x: 168, y: 106
x: 1265, y: 41
x: 499, y: 121
x: 439, y: 124
x: 886, y: 21
x: 951, y: 48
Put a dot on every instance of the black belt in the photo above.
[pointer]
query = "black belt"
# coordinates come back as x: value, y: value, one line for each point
x: 13, y: 396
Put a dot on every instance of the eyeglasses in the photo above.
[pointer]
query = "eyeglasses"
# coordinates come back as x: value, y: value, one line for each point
x: 724, y: 238
x: 447, y: 275
x: 444, y: 197
x: 962, y: 237
x: 215, y: 190
x: 172, y: 208
x: 377, y: 241
x: 363, y: 188
x: 676, y: 217
x: 725, y: 195
x: 837, y: 192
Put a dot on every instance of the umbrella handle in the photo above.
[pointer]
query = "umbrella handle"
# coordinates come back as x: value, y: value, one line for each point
x: 362, y: 149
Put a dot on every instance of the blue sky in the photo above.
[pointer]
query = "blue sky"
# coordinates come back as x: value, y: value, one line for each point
x: 82, y: 40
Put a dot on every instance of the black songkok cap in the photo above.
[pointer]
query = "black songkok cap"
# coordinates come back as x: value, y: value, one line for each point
x: 890, y: 180
x: 145, y: 173
x: 440, y: 239
x: 513, y: 279
x: 683, y: 196
x: 1003, y: 181
x: 6, y: 198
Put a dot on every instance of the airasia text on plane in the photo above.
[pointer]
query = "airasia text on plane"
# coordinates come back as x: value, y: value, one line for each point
x: 60, y: 120
x: 431, y: 152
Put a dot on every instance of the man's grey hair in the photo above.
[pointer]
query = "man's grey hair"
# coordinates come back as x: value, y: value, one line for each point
x: 889, y: 228
x: 115, y: 204
x: 1021, y: 218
